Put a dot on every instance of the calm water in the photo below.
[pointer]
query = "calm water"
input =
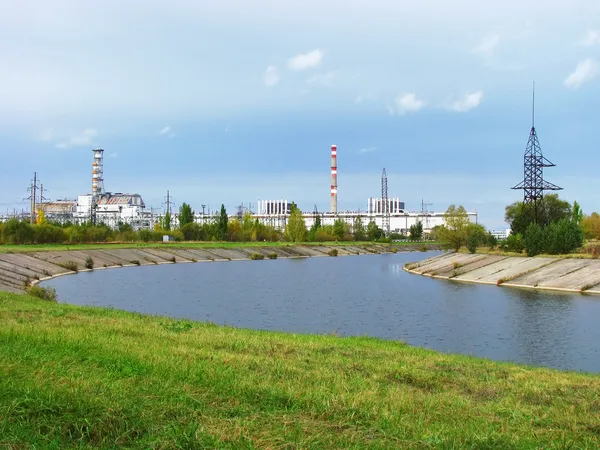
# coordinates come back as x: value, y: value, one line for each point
x: 361, y: 295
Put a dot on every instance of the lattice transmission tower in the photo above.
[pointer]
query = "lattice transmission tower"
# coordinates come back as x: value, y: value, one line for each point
x: 385, y: 206
x: 533, y: 184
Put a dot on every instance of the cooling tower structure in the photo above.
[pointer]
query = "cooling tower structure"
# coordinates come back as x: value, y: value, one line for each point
x: 97, y: 179
x: 334, y: 184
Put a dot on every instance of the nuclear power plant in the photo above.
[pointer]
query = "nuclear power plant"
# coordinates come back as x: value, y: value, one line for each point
x: 116, y: 208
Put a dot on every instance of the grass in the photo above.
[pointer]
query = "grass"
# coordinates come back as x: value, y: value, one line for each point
x: 9, y: 248
x: 75, y: 377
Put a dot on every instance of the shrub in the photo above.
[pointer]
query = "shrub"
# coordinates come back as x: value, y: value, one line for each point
x: 69, y: 265
x: 89, y: 263
x: 333, y: 252
x: 257, y: 256
x: 514, y: 243
x: 472, y: 243
x: 172, y: 259
x: 424, y: 248
x: 394, y: 250
x: 272, y: 255
x: 48, y: 294
x: 593, y: 249
x: 135, y: 262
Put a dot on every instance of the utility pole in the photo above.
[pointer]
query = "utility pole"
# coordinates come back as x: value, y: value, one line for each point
x: 33, y: 197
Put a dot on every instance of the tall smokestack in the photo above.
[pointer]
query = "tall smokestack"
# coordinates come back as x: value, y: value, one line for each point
x: 97, y: 180
x: 334, y: 178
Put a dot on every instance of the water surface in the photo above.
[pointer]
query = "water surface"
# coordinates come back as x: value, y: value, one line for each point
x: 358, y: 295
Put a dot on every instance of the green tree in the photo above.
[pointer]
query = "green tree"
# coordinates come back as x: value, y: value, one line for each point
x: 591, y: 226
x: 186, y: 215
x: 453, y: 234
x: 295, y: 228
x: 222, y: 224
x: 551, y: 209
x: 476, y: 236
x: 359, y: 229
x: 338, y: 229
x: 373, y: 231
x: 534, y: 239
x: 167, y: 221
x: 577, y: 214
x: 416, y: 231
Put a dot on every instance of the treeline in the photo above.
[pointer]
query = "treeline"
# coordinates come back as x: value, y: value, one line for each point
x: 222, y: 228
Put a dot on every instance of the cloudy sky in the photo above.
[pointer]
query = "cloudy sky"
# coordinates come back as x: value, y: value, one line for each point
x: 231, y: 102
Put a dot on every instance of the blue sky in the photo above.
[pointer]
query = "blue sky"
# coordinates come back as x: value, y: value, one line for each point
x: 230, y: 102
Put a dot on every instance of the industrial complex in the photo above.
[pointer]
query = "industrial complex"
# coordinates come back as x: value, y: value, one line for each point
x: 115, y: 208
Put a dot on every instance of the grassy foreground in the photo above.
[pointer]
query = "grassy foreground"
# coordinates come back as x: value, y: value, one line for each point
x: 11, y: 248
x: 101, y: 378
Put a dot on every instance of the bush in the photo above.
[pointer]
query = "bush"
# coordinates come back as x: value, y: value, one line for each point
x: 332, y: 252
x: 424, y: 248
x: 43, y: 293
x: 593, y: 249
x: 17, y: 232
x: 272, y: 255
x: 394, y: 250
x: 257, y: 256
x: 89, y: 263
x: 514, y: 243
x: 472, y: 243
x: 172, y: 259
x: 69, y: 265
x: 135, y: 262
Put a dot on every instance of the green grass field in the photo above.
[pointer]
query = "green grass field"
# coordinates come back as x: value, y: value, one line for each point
x: 6, y: 248
x: 74, y: 377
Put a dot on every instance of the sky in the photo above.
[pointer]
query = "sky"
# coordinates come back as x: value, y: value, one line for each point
x: 231, y: 102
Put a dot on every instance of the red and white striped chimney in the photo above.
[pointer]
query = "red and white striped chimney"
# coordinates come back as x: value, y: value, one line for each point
x: 334, y: 184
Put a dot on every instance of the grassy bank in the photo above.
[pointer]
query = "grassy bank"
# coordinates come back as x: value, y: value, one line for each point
x: 7, y: 248
x: 87, y: 377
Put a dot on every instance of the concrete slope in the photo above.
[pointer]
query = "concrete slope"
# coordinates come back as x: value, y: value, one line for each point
x: 572, y: 275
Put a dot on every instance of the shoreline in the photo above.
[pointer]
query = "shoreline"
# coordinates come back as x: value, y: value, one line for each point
x: 575, y: 276
x: 18, y: 270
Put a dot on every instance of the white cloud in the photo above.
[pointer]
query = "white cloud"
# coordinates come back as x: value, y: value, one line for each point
x: 47, y: 135
x: 271, y: 76
x: 306, y: 60
x: 468, y: 102
x: 367, y: 150
x: 406, y: 103
x: 592, y: 38
x: 487, y: 45
x: 165, y: 130
x: 322, y: 79
x: 83, y: 139
x: 585, y: 71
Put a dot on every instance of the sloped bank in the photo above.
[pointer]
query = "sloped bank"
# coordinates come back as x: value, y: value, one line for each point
x: 18, y: 270
x: 568, y: 275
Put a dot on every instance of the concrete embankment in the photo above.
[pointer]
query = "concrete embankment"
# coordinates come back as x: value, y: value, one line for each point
x: 570, y: 275
x: 17, y: 270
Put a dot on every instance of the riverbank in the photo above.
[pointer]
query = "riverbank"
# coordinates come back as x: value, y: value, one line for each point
x: 92, y: 377
x: 23, y: 265
x: 544, y: 273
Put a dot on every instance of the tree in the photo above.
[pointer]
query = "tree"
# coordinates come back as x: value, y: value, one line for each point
x: 476, y: 236
x: 222, y: 224
x: 41, y: 217
x: 416, y: 231
x: 591, y: 226
x: 295, y: 229
x: 534, y: 239
x: 577, y: 214
x: 338, y: 229
x: 453, y: 234
x: 552, y: 209
x: 186, y: 214
x: 167, y: 221
x: 373, y: 231
x: 359, y: 229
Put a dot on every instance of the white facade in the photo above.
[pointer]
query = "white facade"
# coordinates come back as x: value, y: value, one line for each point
x: 375, y: 205
x: 112, y: 209
x: 500, y: 234
x: 270, y: 207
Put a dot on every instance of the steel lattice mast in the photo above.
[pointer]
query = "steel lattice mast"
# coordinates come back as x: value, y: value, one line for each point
x: 533, y: 184
x: 385, y: 206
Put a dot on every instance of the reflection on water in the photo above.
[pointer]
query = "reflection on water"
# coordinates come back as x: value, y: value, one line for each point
x: 362, y: 295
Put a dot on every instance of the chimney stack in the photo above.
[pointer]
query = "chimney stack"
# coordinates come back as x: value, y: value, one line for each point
x: 334, y: 179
